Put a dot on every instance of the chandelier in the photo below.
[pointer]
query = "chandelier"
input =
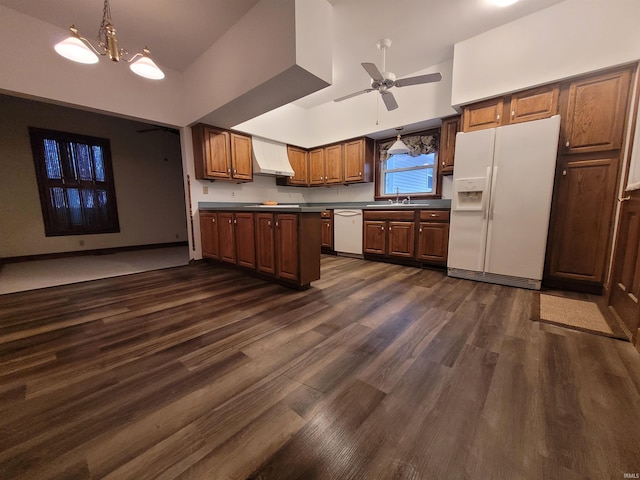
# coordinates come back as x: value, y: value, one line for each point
x: 79, y: 49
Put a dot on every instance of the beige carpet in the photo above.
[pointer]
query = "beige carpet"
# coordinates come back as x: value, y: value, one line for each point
x: 575, y: 314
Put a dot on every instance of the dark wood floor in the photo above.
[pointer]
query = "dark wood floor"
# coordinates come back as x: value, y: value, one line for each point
x: 377, y: 372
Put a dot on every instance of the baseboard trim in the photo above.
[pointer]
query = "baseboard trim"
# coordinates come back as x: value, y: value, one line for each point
x: 99, y: 251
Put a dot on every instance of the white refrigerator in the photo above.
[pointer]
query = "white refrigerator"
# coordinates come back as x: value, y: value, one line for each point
x: 502, y: 189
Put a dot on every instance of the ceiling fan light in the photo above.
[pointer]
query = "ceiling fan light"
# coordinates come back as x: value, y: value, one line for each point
x: 398, y: 148
x: 72, y: 48
x: 147, y: 68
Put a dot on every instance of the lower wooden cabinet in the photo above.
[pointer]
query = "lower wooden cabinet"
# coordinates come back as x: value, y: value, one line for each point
x: 236, y: 238
x: 281, y: 246
x: 327, y: 230
x: 433, y: 236
x: 209, y: 235
x: 391, y: 234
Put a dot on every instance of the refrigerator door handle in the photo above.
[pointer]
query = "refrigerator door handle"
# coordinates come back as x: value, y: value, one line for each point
x: 485, y: 201
x: 492, y: 199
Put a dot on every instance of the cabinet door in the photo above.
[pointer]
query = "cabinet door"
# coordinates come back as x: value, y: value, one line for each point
x: 354, y: 161
x: 333, y: 164
x: 316, y: 167
x: 287, y: 248
x: 298, y: 158
x: 241, y: 158
x: 596, y: 113
x: 401, y: 239
x: 245, y: 240
x: 534, y: 104
x: 227, y: 237
x: 625, y: 285
x: 327, y: 233
x: 433, y: 242
x: 581, y: 224
x: 217, y: 156
x: 450, y: 127
x: 375, y: 237
x: 209, y: 235
x: 265, y: 243
x: 487, y: 114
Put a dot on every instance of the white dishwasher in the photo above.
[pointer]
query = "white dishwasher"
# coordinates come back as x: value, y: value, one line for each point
x: 347, y: 231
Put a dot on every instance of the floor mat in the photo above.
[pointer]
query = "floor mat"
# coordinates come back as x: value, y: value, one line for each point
x: 575, y: 314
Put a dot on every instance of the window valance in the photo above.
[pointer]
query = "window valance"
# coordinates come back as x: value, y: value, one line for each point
x: 418, y: 145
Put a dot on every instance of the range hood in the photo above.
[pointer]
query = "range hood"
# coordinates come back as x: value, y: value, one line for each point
x: 270, y: 158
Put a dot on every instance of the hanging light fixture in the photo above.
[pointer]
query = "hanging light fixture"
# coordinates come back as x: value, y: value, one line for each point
x: 79, y: 49
x: 398, y: 147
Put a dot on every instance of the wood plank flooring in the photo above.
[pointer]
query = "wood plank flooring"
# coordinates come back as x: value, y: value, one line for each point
x: 378, y: 371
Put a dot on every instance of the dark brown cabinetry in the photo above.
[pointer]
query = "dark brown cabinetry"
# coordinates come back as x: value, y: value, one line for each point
x: 487, y: 114
x: 433, y: 236
x: 524, y: 106
x: 299, y: 160
x: 209, y: 235
x: 625, y: 276
x: 236, y: 238
x: 446, y: 151
x: 280, y: 246
x: 595, y: 114
x: 593, y: 111
x: 221, y: 155
x: 357, y: 160
x: 338, y: 164
x: 327, y: 230
x: 391, y: 234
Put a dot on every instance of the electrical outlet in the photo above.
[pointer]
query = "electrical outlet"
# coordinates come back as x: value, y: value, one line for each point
x: 233, y: 194
x: 205, y: 190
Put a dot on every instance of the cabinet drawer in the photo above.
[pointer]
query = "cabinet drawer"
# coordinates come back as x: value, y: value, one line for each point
x: 434, y: 215
x: 389, y: 215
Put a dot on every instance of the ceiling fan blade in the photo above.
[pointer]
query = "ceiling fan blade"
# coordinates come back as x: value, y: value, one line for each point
x: 354, y: 94
x: 389, y: 100
x: 431, y: 77
x: 373, y: 71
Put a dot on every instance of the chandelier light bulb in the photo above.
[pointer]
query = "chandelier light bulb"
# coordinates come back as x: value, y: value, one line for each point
x: 72, y: 48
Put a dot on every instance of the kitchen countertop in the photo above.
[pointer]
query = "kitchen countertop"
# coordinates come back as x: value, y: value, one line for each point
x: 438, y: 204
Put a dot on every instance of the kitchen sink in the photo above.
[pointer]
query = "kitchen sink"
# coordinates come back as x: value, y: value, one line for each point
x: 394, y: 205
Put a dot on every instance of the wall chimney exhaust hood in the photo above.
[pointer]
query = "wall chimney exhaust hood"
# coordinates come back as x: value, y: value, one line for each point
x: 270, y: 158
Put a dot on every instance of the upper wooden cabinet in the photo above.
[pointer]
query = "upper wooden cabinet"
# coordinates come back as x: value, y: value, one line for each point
x: 299, y: 160
x: 446, y: 151
x: 358, y: 155
x: 337, y: 164
x: 325, y: 165
x: 221, y: 155
x: 487, y: 114
x: 595, y: 113
x: 534, y: 104
x: 525, y: 106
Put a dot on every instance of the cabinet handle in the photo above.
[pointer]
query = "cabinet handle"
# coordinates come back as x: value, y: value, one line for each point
x: 228, y: 170
x: 277, y: 224
x: 229, y: 220
x: 213, y: 220
x: 624, y: 199
x: 269, y: 222
x: 382, y: 228
x: 443, y: 164
x: 235, y: 221
x: 567, y: 144
x: 513, y: 113
x: 564, y: 173
x: 420, y: 230
x: 235, y: 171
x: 360, y: 173
x: 498, y: 117
x: 434, y: 215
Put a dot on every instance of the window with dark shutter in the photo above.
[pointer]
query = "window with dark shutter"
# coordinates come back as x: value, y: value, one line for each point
x: 75, y: 181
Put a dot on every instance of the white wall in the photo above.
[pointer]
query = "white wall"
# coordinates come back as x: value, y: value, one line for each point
x: 358, y: 116
x: 147, y: 173
x: 634, y: 162
x: 567, y: 39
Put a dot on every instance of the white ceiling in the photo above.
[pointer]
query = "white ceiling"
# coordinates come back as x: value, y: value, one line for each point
x: 178, y: 32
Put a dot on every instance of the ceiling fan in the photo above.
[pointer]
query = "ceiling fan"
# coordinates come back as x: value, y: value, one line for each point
x: 383, y: 81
